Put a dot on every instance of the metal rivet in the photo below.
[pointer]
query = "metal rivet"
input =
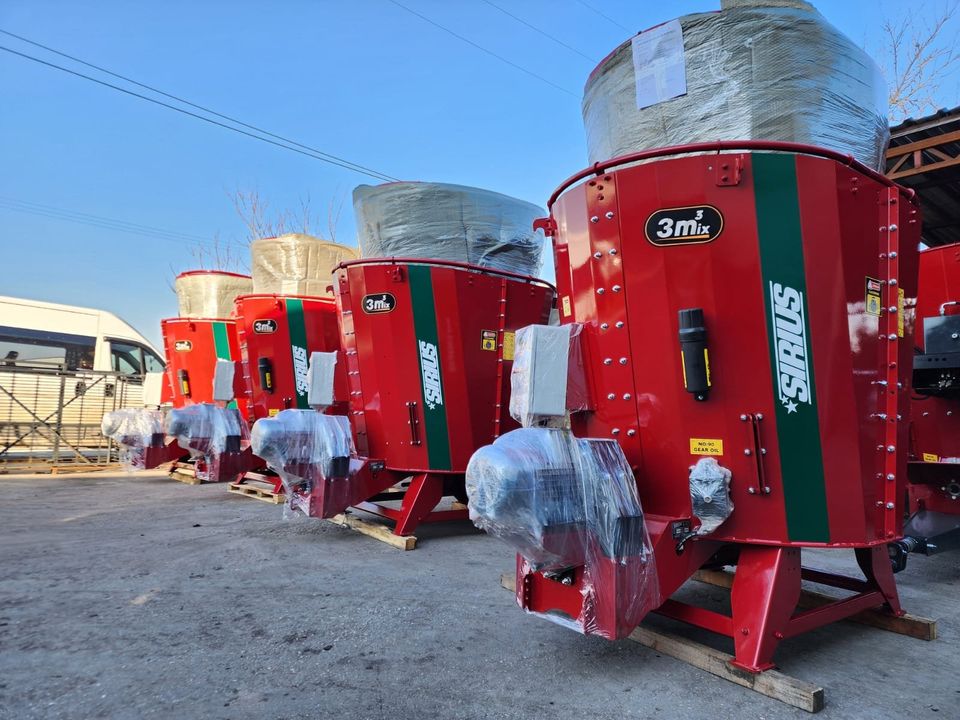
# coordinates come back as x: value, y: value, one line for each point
x: 619, y: 324
x: 623, y: 361
x: 892, y: 308
x: 631, y: 432
x: 747, y: 451
x: 598, y: 255
x: 594, y: 219
x: 743, y: 417
x: 604, y: 326
x: 616, y: 288
x: 892, y: 281
x: 883, y: 228
x: 751, y: 491
x: 891, y: 476
x: 615, y: 431
x: 612, y: 251
x: 608, y: 361
x: 759, y: 416
x: 893, y: 228
x: 626, y: 396
x: 893, y: 254
x: 611, y: 396
x: 890, y: 506
x: 891, y: 448
x: 609, y: 215
x: 892, y: 336
x: 600, y: 291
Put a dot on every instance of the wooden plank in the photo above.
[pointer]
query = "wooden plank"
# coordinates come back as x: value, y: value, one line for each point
x: 772, y: 683
x: 183, y: 477
x: 257, y: 492
x: 376, y: 531
x: 926, y: 143
x: 911, y: 625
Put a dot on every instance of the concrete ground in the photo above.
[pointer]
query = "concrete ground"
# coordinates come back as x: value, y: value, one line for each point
x: 140, y: 597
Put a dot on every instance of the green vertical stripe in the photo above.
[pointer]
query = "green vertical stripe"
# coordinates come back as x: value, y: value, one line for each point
x: 428, y: 352
x: 221, y: 346
x: 298, y: 349
x: 221, y: 341
x: 785, y: 288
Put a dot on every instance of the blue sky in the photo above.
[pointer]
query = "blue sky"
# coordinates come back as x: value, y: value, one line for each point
x: 365, y: 80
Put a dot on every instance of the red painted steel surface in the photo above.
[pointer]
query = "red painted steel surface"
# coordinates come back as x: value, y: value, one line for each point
x: 190, y: 345
x: 311, y: 326
x: 809, y: 375
x: 934, y: 472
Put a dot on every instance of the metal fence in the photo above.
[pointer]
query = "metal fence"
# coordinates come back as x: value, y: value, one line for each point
x: 50, y: 417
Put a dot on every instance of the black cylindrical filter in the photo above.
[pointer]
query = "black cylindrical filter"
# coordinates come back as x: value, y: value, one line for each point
x: 184, y: 379
x: 694, y: 357
x: 265, y: 367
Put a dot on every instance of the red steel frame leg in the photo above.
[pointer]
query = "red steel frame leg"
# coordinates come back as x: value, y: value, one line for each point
x: 423, y: 495
x: 876, y: 567
x: 765, y: 592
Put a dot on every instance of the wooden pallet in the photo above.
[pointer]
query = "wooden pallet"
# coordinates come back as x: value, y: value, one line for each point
x: 912, y: 625
x: 375, y: 530
x: 772, y: 683
x: 257, y: 491
x: 185, y: 473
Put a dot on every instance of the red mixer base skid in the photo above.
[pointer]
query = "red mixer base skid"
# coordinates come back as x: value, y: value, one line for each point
x: 156, y: 456
x: 368, y: 489
x: 227, y: 467
x: 764, y: 596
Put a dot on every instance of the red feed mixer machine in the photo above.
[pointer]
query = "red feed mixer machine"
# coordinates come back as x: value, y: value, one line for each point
x: 427, y: 352
x: 933, y: 487
x: 193, y: 343
x: 739, y: 310
x: 276, y: 332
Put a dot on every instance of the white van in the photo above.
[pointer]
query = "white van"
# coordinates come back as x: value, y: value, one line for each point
x: 61, y: 368
x: 42, y: 334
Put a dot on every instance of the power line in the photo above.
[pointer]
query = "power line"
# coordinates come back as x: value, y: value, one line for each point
x: 100, y: 218
x: 346, y: 164
x: 485, y: 50
x: 604, y: 16
x: 537, y: 30
x: 103, y: 223
x: 191, y: 104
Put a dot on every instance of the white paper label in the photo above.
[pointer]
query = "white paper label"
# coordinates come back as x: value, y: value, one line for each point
x: 659, y: 65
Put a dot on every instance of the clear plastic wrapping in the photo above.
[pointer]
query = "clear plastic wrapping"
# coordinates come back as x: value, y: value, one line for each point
x: 304, y: 446
x: 543, y: 354
x: 208, y: 431
x: 752, y: 73
x: 564, y: 502
x: 296, y: 264
x: 134, y: 430
x: 208, y: 293
x: 710, y: 494
x: 448, y: 222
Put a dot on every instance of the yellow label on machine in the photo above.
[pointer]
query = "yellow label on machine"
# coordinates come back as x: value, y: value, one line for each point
x: 509, y: 343
x: 566, y: 305
x: 930, y: 457
x: 899, y: 312
x: 706, y: 446
x: 273, y: 411
x: 488, y: 340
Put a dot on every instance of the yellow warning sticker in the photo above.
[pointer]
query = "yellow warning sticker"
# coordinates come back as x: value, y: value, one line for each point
x: 273, y: 411
x: 706, y: 446
x: 930, y: 457
x: 566, y: 305
x: 899, y: 312
x: 509, y: 342
x: 488, y: 340
x: 873, y: 296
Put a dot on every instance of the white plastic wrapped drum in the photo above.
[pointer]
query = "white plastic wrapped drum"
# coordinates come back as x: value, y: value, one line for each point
x: 756, y: 70
x: 296, y: 264
x: 209, y: 293
x: 448, y: 222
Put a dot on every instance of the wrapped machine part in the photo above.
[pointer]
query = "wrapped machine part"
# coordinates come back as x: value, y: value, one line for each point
x: 303, y: 445
x: 296, y: 264
x: 134, y: 430
x: 710, y: 494
x: 448, y: 222
x: 748, y: 72
x: 562, y: 502
x: 543, y: 355
x: 209, y: 293
x: 208, y: 431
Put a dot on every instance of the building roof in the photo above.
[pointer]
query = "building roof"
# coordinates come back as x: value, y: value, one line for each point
x: 924, y: 155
